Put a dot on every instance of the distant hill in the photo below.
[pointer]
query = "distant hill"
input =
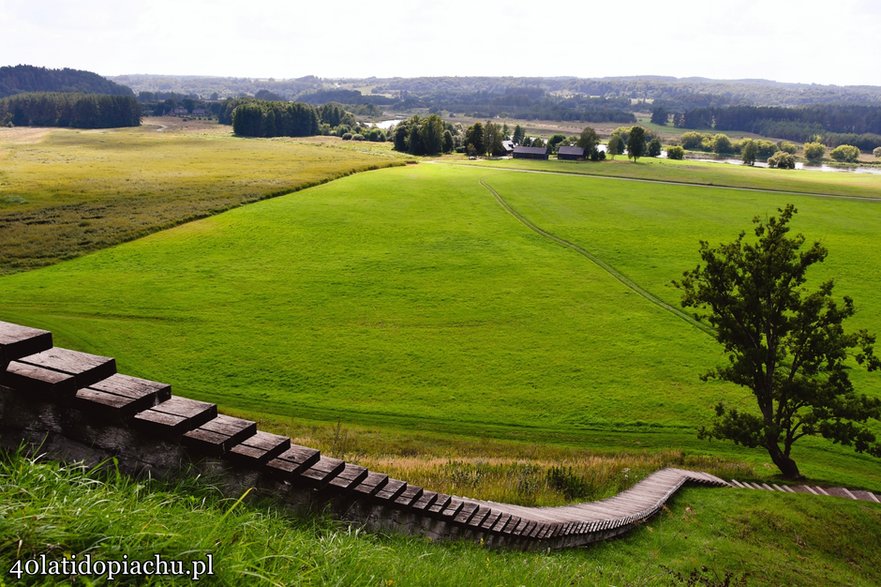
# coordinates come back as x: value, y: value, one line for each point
x: 28, y: 78
x: 485, y: 93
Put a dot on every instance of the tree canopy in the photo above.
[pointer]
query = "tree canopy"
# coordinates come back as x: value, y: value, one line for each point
x: 70, y: 110
x: 786, y: 345
x: 636, y: 146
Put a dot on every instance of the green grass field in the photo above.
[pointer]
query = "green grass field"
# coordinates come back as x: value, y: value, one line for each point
x: 64, y: 192
x: 409, y: 299
x: 402, y: 318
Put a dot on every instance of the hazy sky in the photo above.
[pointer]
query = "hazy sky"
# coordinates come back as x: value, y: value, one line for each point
x: 829, y: 41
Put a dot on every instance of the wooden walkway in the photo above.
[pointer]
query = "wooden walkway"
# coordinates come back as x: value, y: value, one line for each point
x: 32, y: 368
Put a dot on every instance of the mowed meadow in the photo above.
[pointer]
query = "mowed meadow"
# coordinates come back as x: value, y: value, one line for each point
x: 407, y: 302
x: 64, y: 192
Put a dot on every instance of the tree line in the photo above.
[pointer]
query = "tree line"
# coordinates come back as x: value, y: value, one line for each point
x: 70, y: 110
x: 22, y: 79
x: 259, y: 118
x: 854, y: 125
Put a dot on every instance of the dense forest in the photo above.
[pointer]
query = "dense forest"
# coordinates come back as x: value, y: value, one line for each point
x: 70, y: 110
x: 836, y: 124
x: 259, y: 118
x: 27, y: 78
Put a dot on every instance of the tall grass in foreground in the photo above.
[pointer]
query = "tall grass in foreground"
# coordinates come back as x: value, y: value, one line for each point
x: 763, y: 538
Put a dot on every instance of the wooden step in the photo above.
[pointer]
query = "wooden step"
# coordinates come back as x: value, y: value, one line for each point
x: 260, y: 448
x: 321, y: 473
x: 410, y: 495
x: 175, y: 416
x: 349, y: 477
x: 294, y: 461
x: 122, y: 396
x: 371, y: 484
x: 86, y: 369
x: 20, y: 341
x: 38, y: 382
x: 218, y: 435
x: 392, y: 490
x: 440, y: 504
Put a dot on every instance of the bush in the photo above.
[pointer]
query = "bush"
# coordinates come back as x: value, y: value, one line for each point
x: 845, y: 153
x: 787, y: 147
x: 877, y: 152
x: 691, y: 140
x: 358, y: 137
x: 675, y: 152
x: 347, y: 136
x: 722, y: 145
x: 814, y: 152
x: 654, y: 148
x: 782, y: 160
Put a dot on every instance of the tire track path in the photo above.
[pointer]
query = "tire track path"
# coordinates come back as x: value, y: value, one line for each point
x: 632, y: 285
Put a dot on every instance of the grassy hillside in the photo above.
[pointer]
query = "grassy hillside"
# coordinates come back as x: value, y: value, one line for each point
x: 763, y: 538
x: 65, y: 192
x: 409, y: 299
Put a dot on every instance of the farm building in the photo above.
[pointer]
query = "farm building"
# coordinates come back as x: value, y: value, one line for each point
x: 530, y: 152
x: 508, y: 146
x: 570, y: 153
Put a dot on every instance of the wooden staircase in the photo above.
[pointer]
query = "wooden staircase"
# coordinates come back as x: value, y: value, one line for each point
x: 36, y: 371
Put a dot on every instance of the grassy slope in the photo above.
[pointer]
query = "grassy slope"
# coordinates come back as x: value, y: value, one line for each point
x: 427, y: 306
x: 65, y: 192
x: 768, y: 539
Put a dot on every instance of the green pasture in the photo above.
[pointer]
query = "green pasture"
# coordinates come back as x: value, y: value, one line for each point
x: 64, y: 192
x: 408, y: 299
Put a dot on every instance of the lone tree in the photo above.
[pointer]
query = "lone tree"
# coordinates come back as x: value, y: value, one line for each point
x: 636, y: 143
x: 785, y: 344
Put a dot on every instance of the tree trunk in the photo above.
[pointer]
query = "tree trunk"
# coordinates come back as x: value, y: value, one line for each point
x: 786, y: 465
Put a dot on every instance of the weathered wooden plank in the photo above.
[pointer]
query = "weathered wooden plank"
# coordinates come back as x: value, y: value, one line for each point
x: 38, y: 381
x: 479, y: 517
x: 175, y: 416
x: 491, y: 520
x: 864, y: 495
x: 206, y: 441
x: 372, y: 483
x: 20, y: 341
x: 187, y: 408
x: 440, y: 504
x: 502, y: 523
x: 467, y: 512
x: 162, y: 423
x: 87, y: 369
x: 133, y: 387
x: 121, y: 395
x: 236, y: 428
x: 323, y: 471
x: 428, y: 498
x: 840, y: 492
x: 293, y: 461
x: 453, y: 508
x: 260, y: 448
x: 393, y: 488
x: 410, y: 495
x: 218, y: 435
x: 349, y: 477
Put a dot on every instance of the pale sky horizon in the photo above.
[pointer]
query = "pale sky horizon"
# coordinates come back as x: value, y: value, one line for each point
x: 810, y: 41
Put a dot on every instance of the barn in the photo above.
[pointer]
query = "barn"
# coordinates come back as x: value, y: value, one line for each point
x: 530, y: 152
x: 570, y: 153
